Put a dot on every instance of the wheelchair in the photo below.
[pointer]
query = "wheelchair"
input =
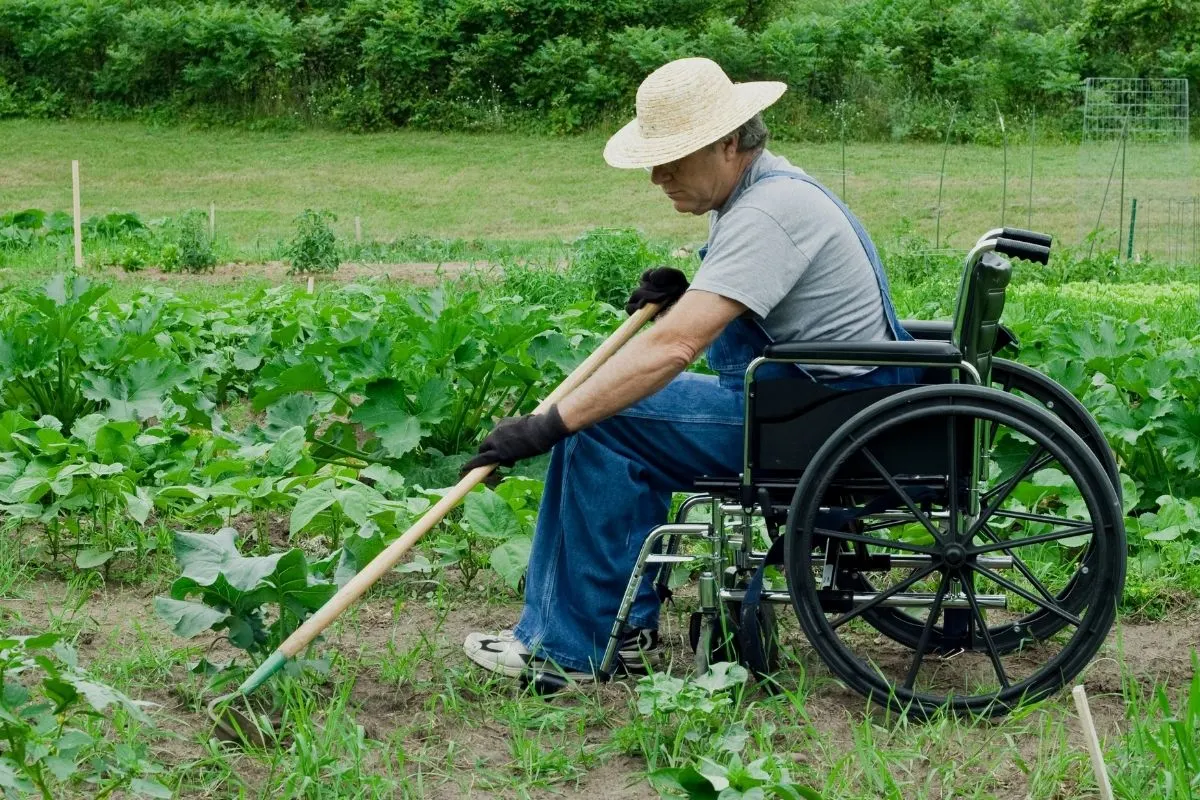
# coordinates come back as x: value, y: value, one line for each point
x: 956, y: 544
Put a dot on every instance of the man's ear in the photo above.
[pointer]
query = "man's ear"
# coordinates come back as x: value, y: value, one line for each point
x: 729, y: 147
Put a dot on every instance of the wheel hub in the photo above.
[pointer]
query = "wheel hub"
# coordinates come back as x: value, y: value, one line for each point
x: 955, y: 555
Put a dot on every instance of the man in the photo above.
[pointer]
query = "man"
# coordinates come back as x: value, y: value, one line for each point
x: 785, y: 261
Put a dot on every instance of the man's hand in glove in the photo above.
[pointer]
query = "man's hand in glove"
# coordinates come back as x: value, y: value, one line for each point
x: 518, y: 438
x: 663, y: 285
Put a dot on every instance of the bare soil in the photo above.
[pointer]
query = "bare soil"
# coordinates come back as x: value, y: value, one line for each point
x: 117, y: 620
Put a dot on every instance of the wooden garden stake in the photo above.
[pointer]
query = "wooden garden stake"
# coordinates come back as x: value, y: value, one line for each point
x: 212, y: 221
x: 311, y: 283
x: 78, y: 218
x: 1093, y: 742
x: 358, y: 230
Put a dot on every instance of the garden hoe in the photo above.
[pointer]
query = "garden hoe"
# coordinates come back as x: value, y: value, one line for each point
x: 239, y: 726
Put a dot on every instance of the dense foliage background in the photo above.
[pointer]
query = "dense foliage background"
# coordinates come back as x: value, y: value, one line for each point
x: 899, y: 69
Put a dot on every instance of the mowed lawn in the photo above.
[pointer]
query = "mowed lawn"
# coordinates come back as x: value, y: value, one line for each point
x: 523, y: 188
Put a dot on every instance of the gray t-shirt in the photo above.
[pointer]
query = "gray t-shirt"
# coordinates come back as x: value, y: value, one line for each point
x: 784, y: 250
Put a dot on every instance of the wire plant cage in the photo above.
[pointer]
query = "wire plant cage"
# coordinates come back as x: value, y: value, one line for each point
x: 1135, y: 176
x: 1137, y: 109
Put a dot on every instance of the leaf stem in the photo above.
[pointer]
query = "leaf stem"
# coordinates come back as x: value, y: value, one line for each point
x: 346, y: 452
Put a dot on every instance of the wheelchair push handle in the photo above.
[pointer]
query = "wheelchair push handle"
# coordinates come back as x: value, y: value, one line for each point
x: 1015, y: 248
x: 1029, y: 237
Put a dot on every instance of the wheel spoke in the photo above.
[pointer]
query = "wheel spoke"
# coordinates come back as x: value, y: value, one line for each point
x: 880, y: 597
x: 926, y: 632
x: 903, y: 495
x: 1045, y: 519
x: 1037, y: 465
x: 1079, y: 530
x: 987, y: 635
x: 858, y: 537
x: 1050, y: 606
x: 1020, y: 564
x: 886, y: 524
x: 1007, y: 489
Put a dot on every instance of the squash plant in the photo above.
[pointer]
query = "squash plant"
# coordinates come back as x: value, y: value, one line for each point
x: 49, y: 737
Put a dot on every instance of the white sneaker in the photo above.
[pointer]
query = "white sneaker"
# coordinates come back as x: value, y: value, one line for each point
x: 499, y: 652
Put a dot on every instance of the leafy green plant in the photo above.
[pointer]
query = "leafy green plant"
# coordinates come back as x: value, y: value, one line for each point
x: 680, y: 716
x: 432, y: 375
x: 315, y: 246
x: 256, y: 600
x: 1144, y: 392
x: 51, y: 727
x: 708, y: 779
x: 188, y: 246
x: 491, y: 531
x: 66, y: 351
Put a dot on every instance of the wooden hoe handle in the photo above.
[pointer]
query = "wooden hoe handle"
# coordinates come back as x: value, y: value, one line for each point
x: 383, y: 562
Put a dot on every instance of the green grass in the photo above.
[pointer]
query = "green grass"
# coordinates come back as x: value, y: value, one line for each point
x: 512, y: 188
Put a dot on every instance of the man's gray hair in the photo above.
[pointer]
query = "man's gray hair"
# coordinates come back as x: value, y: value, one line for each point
x: 752, y: 135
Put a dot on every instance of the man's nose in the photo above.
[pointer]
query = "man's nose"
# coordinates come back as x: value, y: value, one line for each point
x: 658, y: 174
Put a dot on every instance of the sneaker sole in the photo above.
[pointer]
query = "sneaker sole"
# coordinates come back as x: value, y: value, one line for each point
x: 479, y: 657
x: 640, y: 662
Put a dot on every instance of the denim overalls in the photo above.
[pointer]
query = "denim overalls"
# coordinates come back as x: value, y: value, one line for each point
x: 745, y: 339
x: 610, y: 484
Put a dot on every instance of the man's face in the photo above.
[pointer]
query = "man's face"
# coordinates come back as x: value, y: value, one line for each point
x: 700, y: 181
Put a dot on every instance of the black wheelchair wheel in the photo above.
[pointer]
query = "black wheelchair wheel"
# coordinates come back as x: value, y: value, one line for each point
x: 945, y: 535
x: 1028, y: 383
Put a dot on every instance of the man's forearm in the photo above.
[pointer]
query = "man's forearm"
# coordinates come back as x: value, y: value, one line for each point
x: 646, y: 364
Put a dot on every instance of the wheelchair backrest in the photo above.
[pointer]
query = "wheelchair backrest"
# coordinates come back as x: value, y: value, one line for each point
x: 977, y: 311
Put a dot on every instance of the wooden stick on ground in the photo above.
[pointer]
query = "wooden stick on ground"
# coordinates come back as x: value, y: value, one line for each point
x: 1093, y: 742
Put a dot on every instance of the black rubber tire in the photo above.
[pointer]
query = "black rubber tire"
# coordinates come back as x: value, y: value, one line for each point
x: 760, y: 656
x: 1107, y: 561
x: 728, y: 644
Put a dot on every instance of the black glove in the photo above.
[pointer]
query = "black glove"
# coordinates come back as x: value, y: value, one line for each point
x: 663, y: 285
x: 517, y: 438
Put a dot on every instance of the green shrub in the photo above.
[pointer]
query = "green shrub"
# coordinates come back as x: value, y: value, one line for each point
x: 560, y: 65
x: 607, y: 263
x: 315, y: 247
x: 188, y: 246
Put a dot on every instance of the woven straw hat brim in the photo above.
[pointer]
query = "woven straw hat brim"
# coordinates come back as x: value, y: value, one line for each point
x: 628, y: 149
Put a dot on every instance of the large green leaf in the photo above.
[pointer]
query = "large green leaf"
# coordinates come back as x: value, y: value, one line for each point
x: 207, y: 557
x: 138, y: 392
x: 304, y: 377
x: 310, y: 503
x: 289, y: 412
x: 434, y: 400
x: 286, y: 452
x: 11, y: 422
x: 386, y: 413
x: 510, y: 559
x: 490, y: 516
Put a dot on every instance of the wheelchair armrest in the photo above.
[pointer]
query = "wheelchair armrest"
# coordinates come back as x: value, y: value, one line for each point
x: 939, y: 330
x: 876, y: 353
x: 942, y: 329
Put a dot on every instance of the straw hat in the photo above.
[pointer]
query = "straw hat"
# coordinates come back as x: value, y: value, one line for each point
x: 683, y: 106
